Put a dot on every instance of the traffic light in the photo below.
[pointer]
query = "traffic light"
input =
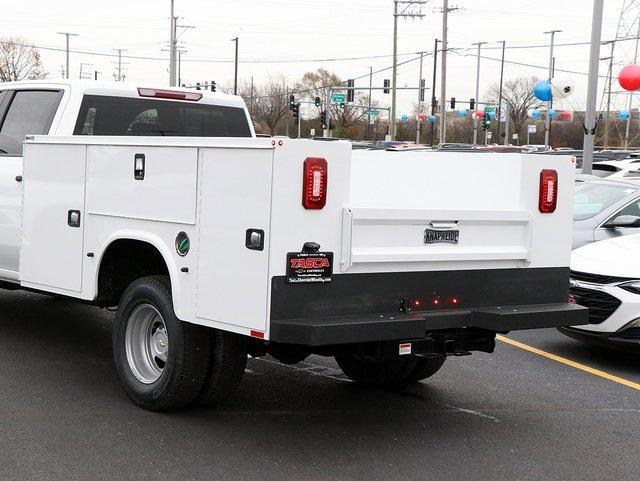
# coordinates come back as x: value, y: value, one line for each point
x: 318, y: 102
x: 453, y: 103
x: 472, y: 104
x: 198, y: 86
x: 387, y: 86
x: 213, y: 85
x: 350, y: 93
x: 296, y: 111
x: 323, y: 119
x: 292, y: 102
x: 422, y: 89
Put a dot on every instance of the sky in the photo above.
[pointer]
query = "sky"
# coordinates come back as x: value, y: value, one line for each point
x: 291, y: 37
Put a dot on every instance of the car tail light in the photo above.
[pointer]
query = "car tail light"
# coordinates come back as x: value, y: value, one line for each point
x: 548, y: 191
x: 314, y: 183
x: 169, y: 94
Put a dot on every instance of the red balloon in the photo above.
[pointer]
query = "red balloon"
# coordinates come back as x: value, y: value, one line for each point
x: 629, y: 77
x: 422, y: 116
x: 566, y: 115
x: 480, y: 114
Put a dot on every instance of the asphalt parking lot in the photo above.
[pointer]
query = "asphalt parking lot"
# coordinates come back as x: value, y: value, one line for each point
x: 512, y: 415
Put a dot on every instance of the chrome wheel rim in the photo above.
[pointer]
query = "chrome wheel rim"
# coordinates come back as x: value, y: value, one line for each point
x: 146, y: 343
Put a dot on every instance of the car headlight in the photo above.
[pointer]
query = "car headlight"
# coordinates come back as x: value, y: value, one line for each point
x: 631, y: 286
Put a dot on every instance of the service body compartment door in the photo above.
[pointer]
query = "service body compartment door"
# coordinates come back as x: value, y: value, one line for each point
x: 235, y: 202
x: 53, y: 216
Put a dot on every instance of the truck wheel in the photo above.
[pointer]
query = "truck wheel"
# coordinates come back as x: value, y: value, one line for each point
x: 226, y: 368
x: 162, y: 362
x: 376, y: 373
x: 425, y: 367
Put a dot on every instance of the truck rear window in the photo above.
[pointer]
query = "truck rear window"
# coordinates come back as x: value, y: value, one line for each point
x: 104, y: 115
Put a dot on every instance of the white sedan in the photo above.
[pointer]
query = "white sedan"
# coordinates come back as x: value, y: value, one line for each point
x: 605, y: 277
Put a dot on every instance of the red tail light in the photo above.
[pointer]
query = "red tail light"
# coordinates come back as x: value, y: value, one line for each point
x: 548, y: 191
x: 314, y: 183
x: 169, y: 94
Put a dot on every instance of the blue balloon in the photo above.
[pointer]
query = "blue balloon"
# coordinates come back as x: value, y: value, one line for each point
x: 404, y: 118
x: 553, y: 114
x: 432, y: 118
x: 492, y: 114
x: 462, y: 113
x: 624, y: 115
x: 536, y: 114
x: 542, y: 90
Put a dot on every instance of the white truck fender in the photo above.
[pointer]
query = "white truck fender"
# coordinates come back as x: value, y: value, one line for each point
x: 164, y: 250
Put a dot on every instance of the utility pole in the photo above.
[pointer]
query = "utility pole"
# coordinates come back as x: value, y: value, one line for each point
x: 368, y: 129
x: 327, y: 111
x: 475, y: 117
x: 590, y: 119
x: 172, y: 46
x: 506, y: 134
x: 443, y: 74
x: 628, y: 122
x: 119, y: 67
x: 609, y: 77
x: 235, y: 76
x: 506, y: 124
x: 420, y: 93
x: 547, y: 120
x: 67, y: 35
x: 394, y: 73
x: 433, y: 86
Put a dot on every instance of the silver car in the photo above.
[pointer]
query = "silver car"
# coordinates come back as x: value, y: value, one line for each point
x: 605, y: 208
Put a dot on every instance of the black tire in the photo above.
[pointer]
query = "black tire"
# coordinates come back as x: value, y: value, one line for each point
x: 376, y: 373
x: 226, y: 367
x: 187, y: 355
x: 425, y: 367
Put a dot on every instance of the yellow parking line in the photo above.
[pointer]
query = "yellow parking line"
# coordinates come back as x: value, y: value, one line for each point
x: 569, y: 362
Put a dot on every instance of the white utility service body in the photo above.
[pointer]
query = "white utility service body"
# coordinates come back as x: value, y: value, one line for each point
x: 378, y: 207
x: 214, y: 244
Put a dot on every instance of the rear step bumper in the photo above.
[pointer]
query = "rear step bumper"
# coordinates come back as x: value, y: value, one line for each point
x: 325, y: 331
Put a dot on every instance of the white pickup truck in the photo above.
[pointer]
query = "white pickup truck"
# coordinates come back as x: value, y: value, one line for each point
x: 215, y: 245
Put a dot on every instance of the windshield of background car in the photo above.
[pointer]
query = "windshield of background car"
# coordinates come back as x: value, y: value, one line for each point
x: 591, y: 198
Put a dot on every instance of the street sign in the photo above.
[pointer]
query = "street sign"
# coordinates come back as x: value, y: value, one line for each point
x: 489, y: 109
x: 338, y: 98
x: 531, y: 128
x: 372, y: 112
x: 515, y: 136
x: 489, y: 134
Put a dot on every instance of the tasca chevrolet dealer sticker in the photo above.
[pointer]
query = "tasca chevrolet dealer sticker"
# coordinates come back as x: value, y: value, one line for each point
x: 306, y: 267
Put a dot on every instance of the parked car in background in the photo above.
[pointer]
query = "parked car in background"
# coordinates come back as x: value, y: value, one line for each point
x: 601, y: 209
x: 605, y: 277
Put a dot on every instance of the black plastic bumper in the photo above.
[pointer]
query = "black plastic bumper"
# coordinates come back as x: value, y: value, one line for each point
x: 322, y: 331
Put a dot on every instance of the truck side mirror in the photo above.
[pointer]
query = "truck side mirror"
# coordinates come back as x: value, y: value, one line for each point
x: 623, y: 221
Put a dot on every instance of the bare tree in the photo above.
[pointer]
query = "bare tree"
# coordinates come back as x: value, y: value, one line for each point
x: 19, y: 61
x: 313, y: 85
x: 518, y: 94
x: 268, y: 105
